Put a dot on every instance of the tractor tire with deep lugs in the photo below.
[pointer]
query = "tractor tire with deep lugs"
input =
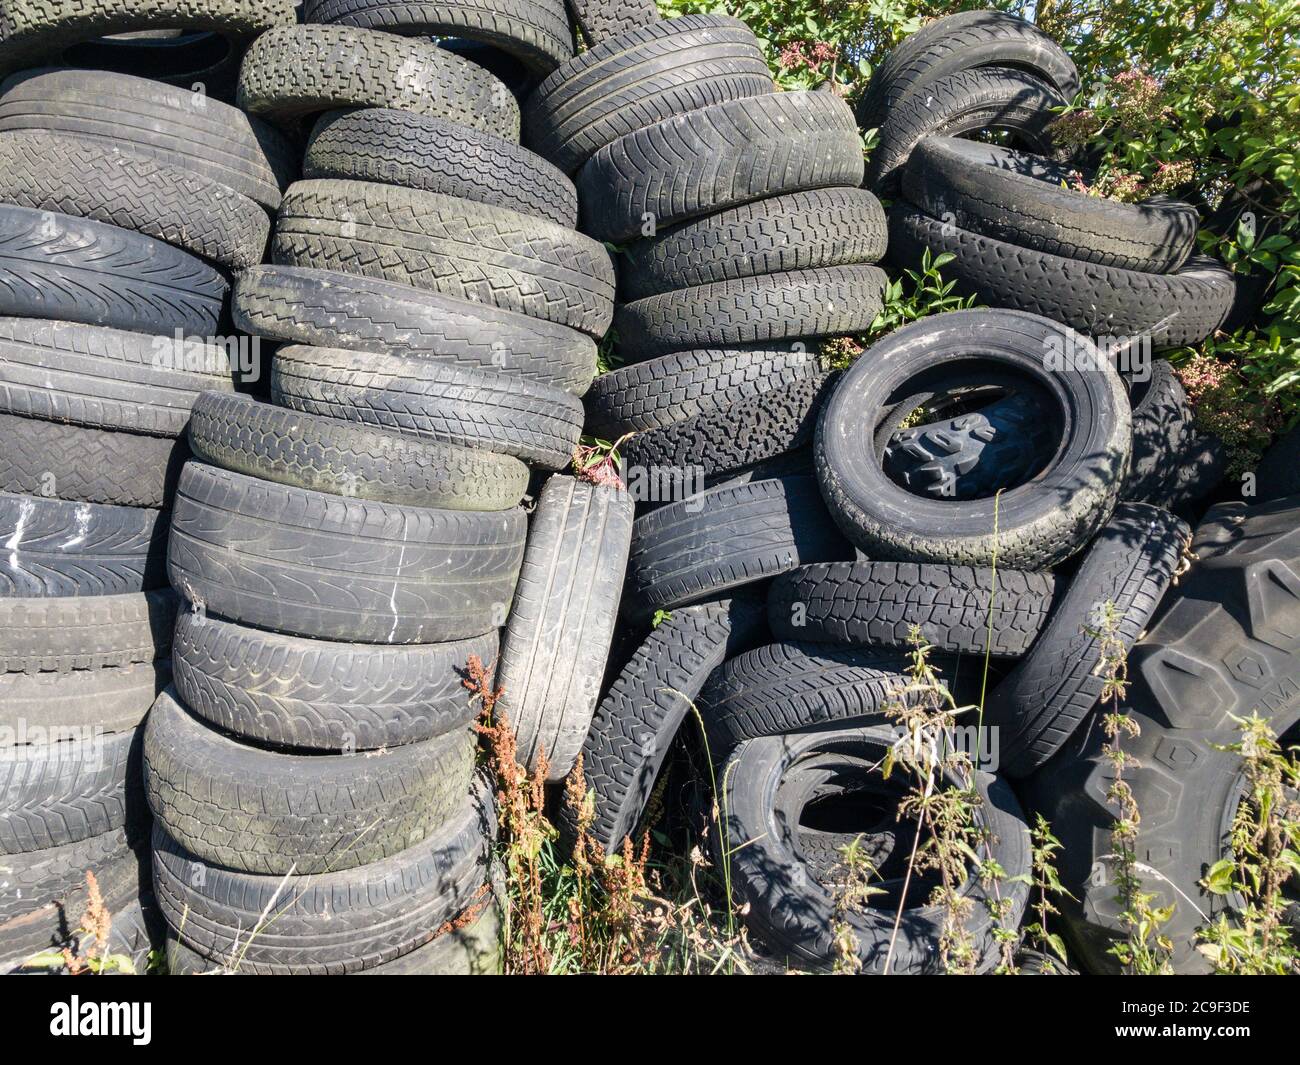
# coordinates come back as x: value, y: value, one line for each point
x: 645, y: 76
x: 331, y: 567
x: 717, y: 157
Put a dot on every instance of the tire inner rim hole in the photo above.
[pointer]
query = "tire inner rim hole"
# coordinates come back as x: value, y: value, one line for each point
x: 965, y: 432
x: 154, y: 53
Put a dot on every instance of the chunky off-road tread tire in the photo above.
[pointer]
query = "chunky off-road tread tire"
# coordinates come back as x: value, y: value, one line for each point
x: 322, y: 695
x: 747, y: 432
x: 536, y: 32
x: 46, y: 894
x: 335, y: 310
x: 969, y: 101
x: 634, y: 725
x: 727, y: 537
x: 33, y: 33
x: 785, y: 687
x: 259, y: 811
x: 800, y: 231
x: 52, y: 794
x: 1278, y: 473
x: 1038, y: 523
x: 92, y: 179
x: 800, y: 303
x: 974, y: 454
x: 87, y: 465
x: 330, y: 567
x: 463, y: 249
x: 433, y: 401
x: 647, y: 75
x: 963, y: 41
x: 1174, y: 310
x: 717, y: 157
x: 58, y: 548
x: 51, y: 707
x: 85, y: 632
x: 170, y: 125
x: 262, y: 440
x: 556, y: 643
x: 105, y: 378
x: 295, y: 72
x: 796, y: 916
x: 1029, y: 201
x: 658, y: 393
x: 339, y: 921
x: 877, y: 604
x: 599, y: 20
x: 1226, y: 647
x: 437, y: 155
x: 1106, y: 607
x: 73, y: 269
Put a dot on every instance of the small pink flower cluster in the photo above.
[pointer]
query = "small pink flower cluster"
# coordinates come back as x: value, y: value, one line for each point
x: 1137, y: 98
x: 804, y: 54
x: 1169, y: 176
x: 1075, y: 129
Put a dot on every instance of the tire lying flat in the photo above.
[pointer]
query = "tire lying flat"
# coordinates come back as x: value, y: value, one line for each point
x: 85, y: 632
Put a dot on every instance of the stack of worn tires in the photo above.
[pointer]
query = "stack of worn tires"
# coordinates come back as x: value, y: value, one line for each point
x: 350, y: 547
x: 125, y: 205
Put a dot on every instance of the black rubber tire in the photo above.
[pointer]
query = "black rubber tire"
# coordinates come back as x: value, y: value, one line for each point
x: 707, y: 160
x: 1162, y: 435
x: 646, y: 75
x: 72, y: 34
x: 1030, y: 201
x: 90, y: 178
x: 1278, y: 474
x: 959, y: 609
x: 329, y: 309
x: 73, y: 269
x: 54, y: 794
x: 796, y: 915
x: 658, y: 393
x: 968, y: 101
x: 971, y: 455
x: 57, y: 548
x: 799, y: 231
x: 49, y: 895
x: 432, y: 401
x: 1225, y: 647
x: 83, y: 465
x: 964, y: 41
x: 556, y: 643
x: 437, y: 155
x: 1127, y: 569
x: 242, y: 434
x: 599, y: 20
x: 787, y: 687
x: 1173, y: 310
x: 90, y: 632
x: 1038, y: 523
x: 171, y: 125
x: 105, y: 378
x: 285, y: 691
x: 337, y: 922
x: 296, y: 72
x: 328, y: 567
x: 727, y: 537
x: 469, y: 949
x: 745, y: 433
x: 49, y: 708
x: 258, y: 811
x: 752, y: 310
x: 634, y: 724
x: 536, y: 32
x: 462, y: 249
